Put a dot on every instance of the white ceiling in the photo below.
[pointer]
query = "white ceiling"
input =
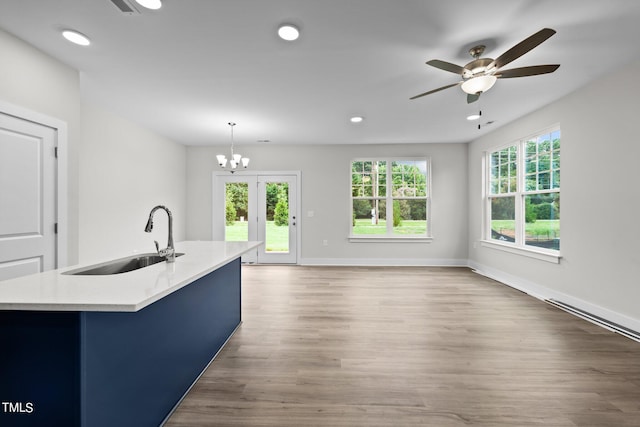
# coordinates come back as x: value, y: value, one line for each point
x: 187, y: 69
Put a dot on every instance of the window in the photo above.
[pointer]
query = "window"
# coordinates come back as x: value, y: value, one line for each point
x: 390, y: 198
x: 523, y: 195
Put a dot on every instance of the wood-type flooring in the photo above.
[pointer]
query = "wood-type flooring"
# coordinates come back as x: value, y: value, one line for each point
x: 410, y: 346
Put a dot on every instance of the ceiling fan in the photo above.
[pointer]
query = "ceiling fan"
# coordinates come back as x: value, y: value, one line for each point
x: 480, y: 75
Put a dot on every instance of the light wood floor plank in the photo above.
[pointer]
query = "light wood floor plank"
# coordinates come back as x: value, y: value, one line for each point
x: 419, y: 346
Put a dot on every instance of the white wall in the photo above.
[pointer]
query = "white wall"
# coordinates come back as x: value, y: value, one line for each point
x: 34, y: 81
x: 117, y: 171
x: 600, y: 266
x: 325, y: 190
x: 125, y: 171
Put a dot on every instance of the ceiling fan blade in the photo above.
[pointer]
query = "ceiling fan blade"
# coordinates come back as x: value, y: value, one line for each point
x: 521, y: 48
x: 446, y: 66
x: 526, y: 71
x: 435, y: 90
x: 473, y: 97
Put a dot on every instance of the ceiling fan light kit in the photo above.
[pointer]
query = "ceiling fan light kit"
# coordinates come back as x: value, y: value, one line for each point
x: 479, y: 75
x: 478, y: 84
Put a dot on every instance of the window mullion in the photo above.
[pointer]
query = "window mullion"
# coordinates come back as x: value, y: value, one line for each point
x: 520, y: 209
x: 520, y: 218
x: 487, y: 197
x: 389, y: 199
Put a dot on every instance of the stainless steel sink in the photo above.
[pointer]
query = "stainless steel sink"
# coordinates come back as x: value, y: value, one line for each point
x: 121, y: 265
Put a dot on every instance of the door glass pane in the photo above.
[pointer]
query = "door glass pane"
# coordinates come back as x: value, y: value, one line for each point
x: 236, y: 211
x: 277, y: 220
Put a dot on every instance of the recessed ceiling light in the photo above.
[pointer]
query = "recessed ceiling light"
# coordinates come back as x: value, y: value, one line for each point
x: 150, y: 4
x: 475, y: 116
x: 356, y: 119
x: 288, y: 32
x: 76, y: 37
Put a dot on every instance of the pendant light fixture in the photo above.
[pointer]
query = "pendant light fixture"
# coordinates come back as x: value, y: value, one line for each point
x: 236, y: 159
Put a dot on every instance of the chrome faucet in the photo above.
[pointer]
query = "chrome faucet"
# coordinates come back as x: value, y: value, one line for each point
x: 169, y: 253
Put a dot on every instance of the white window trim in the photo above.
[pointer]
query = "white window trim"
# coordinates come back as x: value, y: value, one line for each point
x: 534, y: 252
x: 540, y: 254
x: 378, y: 238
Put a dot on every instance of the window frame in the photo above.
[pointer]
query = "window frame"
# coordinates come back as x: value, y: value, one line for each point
x: 519, y: 246
x: 388, y: 198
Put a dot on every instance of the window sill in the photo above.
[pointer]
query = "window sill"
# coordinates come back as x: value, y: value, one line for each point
x: 542, y: 255
x: 389, y: 239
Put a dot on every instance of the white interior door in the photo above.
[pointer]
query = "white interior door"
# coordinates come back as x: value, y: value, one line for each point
x: 27, y: 197
x: 258, y: 207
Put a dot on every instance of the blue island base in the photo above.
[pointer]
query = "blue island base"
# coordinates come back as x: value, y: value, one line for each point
x: 114, y: 368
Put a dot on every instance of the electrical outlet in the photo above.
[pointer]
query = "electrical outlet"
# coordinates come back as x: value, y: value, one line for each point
x: 325, y: 242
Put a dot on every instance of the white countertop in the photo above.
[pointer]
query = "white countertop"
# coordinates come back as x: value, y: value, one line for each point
x: 131, y: 291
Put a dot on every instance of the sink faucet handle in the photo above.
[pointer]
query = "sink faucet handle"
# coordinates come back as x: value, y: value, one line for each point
x: 157, y: 246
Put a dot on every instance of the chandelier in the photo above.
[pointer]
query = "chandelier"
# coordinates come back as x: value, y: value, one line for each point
x: 236, y: 159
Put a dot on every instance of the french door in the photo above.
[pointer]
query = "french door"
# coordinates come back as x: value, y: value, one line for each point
x: 258, y: 207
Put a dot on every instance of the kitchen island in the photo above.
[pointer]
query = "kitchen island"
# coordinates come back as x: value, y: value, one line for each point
x: 119, y: 349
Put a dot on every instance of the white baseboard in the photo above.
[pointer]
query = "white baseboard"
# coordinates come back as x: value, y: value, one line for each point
x: 385, y: 262
x: 543, y: 293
